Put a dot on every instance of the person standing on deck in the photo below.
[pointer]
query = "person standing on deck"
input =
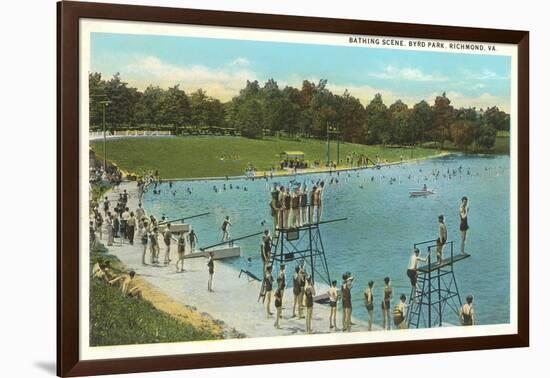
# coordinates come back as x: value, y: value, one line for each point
x: 106, y: 205
x: 346, y: 302
x: 99, y: 224
x: 110, y: 229
x: 464, y: 209
x: 154, y: 246
x: 312, y: 204
x: 412, y: 273
x: 193, y: 240
x: 296, y: 290
x: 303, y: 206
x: 210, y: 265
x: 287, y: 203
x: 333, y: 299
x: 266, y: 247
x: 467, y: 315
x: 294, y: 209
x: 140, y: 213
x: 386, y: 303
x: 278, y: 306
x: 225, y: 229
x: 275, y: 207
x: 320, y: 193
x: 308, y: 296
x: 131, y: 228
x: 400, y: 313
x: 167, y: 242
x: 268, y: 287
x: 181, y: 253
x: 144, y: 241
x: 369, y: 303
x: 124, y: 223
x: 281, y: 280
x: 298, y: 209
x: 442, y: 238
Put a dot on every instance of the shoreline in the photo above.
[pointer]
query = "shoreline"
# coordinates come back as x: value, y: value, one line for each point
x: 260, y: 175
x: 161, y: 300
x: 233, y: 305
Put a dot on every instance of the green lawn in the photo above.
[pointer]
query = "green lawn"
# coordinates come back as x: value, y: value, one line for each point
x: 117, y: 320
x: 187, y: 157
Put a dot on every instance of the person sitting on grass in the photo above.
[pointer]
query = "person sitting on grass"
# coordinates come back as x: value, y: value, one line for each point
x: 128, y: 287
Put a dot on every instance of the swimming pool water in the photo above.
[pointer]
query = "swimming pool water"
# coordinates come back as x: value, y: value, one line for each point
x: 383, y: 223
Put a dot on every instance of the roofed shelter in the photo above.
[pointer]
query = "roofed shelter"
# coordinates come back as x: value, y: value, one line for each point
x: 291, y: 155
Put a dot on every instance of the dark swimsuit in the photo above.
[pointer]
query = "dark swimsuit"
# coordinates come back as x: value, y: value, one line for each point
x: 464, y: 223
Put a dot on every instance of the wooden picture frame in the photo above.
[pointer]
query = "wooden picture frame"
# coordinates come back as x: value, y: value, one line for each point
x: 69, y: 362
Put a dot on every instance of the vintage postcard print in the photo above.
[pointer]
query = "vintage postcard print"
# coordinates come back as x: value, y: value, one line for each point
x: 246, y: 189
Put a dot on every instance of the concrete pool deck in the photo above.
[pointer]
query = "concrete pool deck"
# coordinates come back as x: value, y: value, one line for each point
x: 234, y: 300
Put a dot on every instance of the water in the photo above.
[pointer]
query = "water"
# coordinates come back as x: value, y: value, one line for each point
x: 383, y: 223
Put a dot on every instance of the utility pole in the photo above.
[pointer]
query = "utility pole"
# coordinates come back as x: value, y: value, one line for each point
x: 338, y: 146
x: 104, y: 103
x: 328, y: 145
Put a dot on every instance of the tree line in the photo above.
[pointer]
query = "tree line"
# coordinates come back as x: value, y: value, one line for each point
x: 309, y: 111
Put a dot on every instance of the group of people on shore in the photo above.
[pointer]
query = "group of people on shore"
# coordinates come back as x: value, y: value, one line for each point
x: 293, y: 207
x: 128, y: 225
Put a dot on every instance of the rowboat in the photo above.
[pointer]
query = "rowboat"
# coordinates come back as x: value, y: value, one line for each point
x: 421, y: 193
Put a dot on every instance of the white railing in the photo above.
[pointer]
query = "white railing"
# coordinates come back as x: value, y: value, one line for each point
x: 129, y: 133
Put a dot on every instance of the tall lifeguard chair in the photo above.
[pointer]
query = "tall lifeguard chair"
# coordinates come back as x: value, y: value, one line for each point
x: 437, y: 295
x: 304, y: 244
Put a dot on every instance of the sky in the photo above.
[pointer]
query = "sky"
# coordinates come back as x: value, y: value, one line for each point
x: 222, y: 67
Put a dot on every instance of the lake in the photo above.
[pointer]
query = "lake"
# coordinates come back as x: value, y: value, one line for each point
x: 383, y: 222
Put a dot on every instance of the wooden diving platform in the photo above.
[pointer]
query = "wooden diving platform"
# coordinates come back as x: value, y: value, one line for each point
x: 217, y: 254
x: 444, y: 263
x: 176, y: 228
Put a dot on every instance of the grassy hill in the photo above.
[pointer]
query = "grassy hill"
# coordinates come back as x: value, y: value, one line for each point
x: 187, y: 157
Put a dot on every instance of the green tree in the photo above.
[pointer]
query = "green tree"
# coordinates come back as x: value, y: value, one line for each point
x: 443, y: 118
x: 377, y: 121
x: 421, y: 122
x: 398, y: 130
x: 153, y: 96
x: 174, y: 107
x: 496, y: 118
x: 97, y: 94
x: 323, y: 109
x: 199, y: 108
x: 351, y: 118
x: 462, y: 133
x: 486, y: 136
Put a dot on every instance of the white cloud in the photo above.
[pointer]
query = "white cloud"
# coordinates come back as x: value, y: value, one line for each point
x: 222, y: 83
x: 225, y: 82
x: 240, y: 61
x: 484, y: 74
x: 365, y: 94
x: 410, y: 74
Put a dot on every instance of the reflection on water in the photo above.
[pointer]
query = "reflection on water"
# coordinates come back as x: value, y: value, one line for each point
x: 383, y: 222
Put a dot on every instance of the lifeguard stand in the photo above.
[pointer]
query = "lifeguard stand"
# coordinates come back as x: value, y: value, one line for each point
x: 304, y: 244
x: 437, y: 290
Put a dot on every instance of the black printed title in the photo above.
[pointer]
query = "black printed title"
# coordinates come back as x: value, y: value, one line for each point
x: 440, y: 45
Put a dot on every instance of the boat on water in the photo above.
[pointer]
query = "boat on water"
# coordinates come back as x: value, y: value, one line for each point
x: 422, y: 192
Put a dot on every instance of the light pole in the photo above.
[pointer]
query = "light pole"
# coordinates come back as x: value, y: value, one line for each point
x: 328, y: 145
x: 104, y: 103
